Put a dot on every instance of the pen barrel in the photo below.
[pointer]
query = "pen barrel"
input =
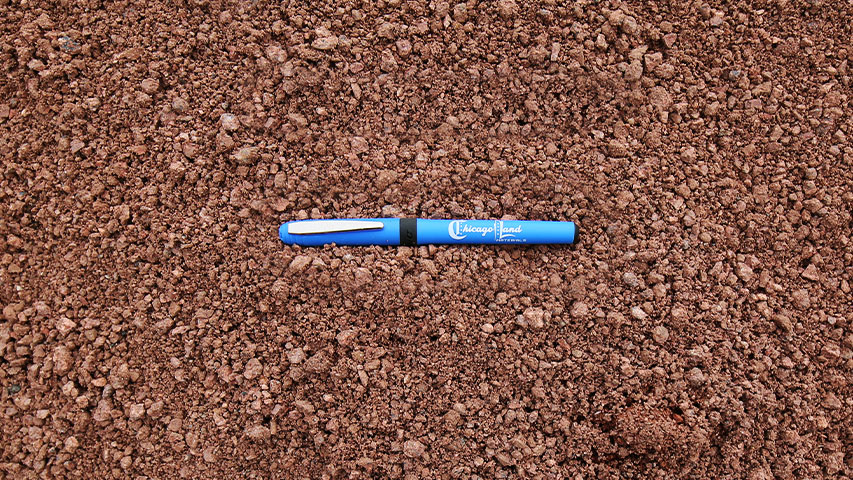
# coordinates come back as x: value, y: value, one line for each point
x: 520, y: 232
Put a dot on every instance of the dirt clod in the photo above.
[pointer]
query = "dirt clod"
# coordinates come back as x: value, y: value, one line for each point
x: 253, y: 369
x: 413, y: 449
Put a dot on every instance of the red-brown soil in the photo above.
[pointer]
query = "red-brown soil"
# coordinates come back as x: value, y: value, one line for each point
x: 154, y: 326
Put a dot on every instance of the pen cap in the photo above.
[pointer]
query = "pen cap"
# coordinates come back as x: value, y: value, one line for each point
x: 362, y: 231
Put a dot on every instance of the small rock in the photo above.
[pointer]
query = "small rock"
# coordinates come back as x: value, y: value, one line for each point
x: 62, y: 360
x: 629, y: 25
x: 276, y: 54
x: 36, y: 64
x: 813, y: 205
x: 638, y: 313
x: 831, y: 402
x: 660, y: 334
x: 102, y: 411
x: 224, y: 141
x: 347, y: 337
x: 69, y: 390
x: 652, y: 60
x: 460, y: 12
x: 617, y: 149
x: 507, y: 9
x: 190, y: 150
x: 24, y: 402
x: 811, y: 273
x: 535, y: 318
x: 695, y: 377
x: 404, y: 47
x: 660, y: 98
x: 487, y: 328
x: 630, y: 279
x: 579, y: 309
x: 175, y: 425
x: 387, y: 62
x: 305, y: 406
x: 280, y: 180
x: 150, y: 86
x: 634, y: 71
x: 325, y: 43
x: 385, y: 178
x: 783, y: 322
x: 318, y: 363
x: 387, y: 31
x: 665, y: 71
x: 688, y: 154
x: 744, y: 272
x: 359, y: 145
x: 716, y: 19
x: 297, y: 119
x: 413, y: 449
x: 811, y: 173
x: 192, y: 440
x: 10, y: 312
x: 452, y: 418
x: 504, y: 459
x: 229, y: 122
x: 258, y: 433
x: 245, y: 155
x: 801, y: 299
x: 362, y: 276
x: 637, y: 53
x: 156, y: 409
x: 120, y: 376
x: 180, y: 105
x: 76, y: 145
x: 296, y: 356
x: 253, y: 369
x: 300, y: 263
x: 835, y: 463
x: 71, y: 444
x: 44, y: 21
x: 209, y: 455
x: 624, y: 198
x: 137, y: 410
x: 65, y: 325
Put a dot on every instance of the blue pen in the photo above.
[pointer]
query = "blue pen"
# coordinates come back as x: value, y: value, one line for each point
x: 419, y: 231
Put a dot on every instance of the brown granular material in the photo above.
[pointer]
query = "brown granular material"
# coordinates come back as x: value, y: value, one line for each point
x: 154, y: 326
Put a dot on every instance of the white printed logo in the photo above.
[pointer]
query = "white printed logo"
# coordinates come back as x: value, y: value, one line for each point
x: 459, y: 229
x: 502, y: 232
x: 454, y: 231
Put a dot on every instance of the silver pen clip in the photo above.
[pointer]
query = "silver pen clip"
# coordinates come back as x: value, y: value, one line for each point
x: 310, y: 227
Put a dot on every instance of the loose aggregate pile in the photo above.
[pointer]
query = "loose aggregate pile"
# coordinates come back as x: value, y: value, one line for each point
x: 153, y: 325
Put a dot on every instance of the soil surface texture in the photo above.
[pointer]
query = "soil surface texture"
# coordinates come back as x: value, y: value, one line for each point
x: 154, y: 326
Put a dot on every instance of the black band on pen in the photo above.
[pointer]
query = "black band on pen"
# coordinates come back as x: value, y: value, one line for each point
x: 409, y: 232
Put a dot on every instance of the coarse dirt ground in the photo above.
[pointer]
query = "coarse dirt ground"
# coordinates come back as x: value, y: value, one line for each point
x: 154, y: 326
